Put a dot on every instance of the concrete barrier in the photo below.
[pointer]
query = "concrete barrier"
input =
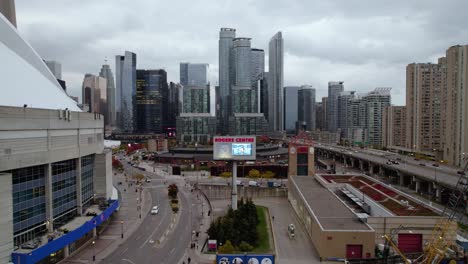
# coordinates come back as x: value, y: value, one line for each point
x: 223, y: 192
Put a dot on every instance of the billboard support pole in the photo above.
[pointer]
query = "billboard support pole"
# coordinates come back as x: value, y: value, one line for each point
x: 234, y: 186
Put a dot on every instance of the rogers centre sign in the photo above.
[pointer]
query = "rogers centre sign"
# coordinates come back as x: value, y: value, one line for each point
x: 234, y: 148
x: 232, y: 139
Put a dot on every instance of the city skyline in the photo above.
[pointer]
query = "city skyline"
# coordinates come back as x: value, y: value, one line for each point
x: 360, y: 51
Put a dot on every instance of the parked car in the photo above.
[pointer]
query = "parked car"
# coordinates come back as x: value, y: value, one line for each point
x: 395, y: 162
x: 422, y: 164
x: 254, y: 184
x: 435, y: 165
x: 147, y: 180
x: 155, y: 210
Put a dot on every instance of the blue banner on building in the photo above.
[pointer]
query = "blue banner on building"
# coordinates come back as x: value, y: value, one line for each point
x: 244, y: 259
x: 57, y: 244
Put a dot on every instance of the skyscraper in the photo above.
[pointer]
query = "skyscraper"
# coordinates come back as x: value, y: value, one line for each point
x: 226, y: 37
x: 306, y: 107
x: 196, y: 99
x: 106, y: 73
x: 375, y: 102
x: 275, y: 86
x: 245, y: 118
x: 394, y: 126
x: 94, y: 94
x: 125, y: 75
x: 290, y: 107
x: 425, y: 88
x: 334, y: 90
x: 150, y: 87
x: 344, y: 113
x: 193, y: 74
x: 325, y: 114
x: 456, y: 114
x: 264, y: 95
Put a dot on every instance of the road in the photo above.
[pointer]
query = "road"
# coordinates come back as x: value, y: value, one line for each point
x: 443, y: 175
x: 143, y: 247
x: 299, y: 250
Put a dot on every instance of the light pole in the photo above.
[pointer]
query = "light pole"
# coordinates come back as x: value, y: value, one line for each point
x: 94, y: 252
x: 121, y: 229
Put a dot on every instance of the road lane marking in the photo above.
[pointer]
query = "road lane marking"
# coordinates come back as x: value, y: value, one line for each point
x: 128, y: 261
x: 125, y: 250
x: 154, y: 231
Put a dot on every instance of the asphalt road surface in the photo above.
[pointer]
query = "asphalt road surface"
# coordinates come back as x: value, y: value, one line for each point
x: 152, y: 242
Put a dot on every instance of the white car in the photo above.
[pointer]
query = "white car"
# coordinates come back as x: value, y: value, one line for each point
x: 155, y: 210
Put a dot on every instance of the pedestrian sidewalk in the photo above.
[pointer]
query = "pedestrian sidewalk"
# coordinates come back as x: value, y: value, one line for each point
x: 201, y: 224
x: 127, y: 219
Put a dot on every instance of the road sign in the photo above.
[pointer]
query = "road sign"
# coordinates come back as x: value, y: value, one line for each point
x: 244, y: 259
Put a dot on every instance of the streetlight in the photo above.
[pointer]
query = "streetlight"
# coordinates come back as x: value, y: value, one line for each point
x: 94, y: 252
x: 121, y: 229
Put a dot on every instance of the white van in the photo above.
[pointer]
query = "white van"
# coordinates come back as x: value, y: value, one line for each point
x: 253, y: 184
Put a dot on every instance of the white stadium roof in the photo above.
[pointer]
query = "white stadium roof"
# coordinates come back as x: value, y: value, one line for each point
x: 24, y: 77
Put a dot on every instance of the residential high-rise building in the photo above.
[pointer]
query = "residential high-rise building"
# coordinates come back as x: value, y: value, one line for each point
x: 55, y: 67
x: 425, y: 88
x: 245, y: 118
x: 375, y: 102
x: 7, y: 8
x: 174, y: 103
x: 334, y: 90
x: 275, y: 86
x: 264, y: 95
x: 345, y: 120
x: 324, y: 125
x: 394, y: 126
x: 125, y: 78
x: 319, y: 116
x: 193, y: 74
x: 151, y: 85
x: 456, y: 110
x: 226, y: 37
x: 290, y: 107
x: 196, y: 99
x: 94, y: 94
x: 106, y: 73
x: 306, y: 107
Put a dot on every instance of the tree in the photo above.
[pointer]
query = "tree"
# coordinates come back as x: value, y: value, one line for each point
x: 268, y: 175
x: 139, y: 177
x: 254, y: 173
x: 227, y: 248
x: 172, y: 190
x: 245, y: 247
x: 226, y: 174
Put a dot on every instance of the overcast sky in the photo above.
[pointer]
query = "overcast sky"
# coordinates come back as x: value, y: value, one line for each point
x: 365, y: 43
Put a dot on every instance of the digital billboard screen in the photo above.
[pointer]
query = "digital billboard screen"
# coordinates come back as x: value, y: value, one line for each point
x: 234, y: 148
x: 241, y: 149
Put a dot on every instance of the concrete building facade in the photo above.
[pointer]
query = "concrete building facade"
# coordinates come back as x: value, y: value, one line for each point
x: 394, y: 126
x: 106, y: 73
x: 456, y: 110
x: 425, y: 90
x: 375, y: 102
x: 94, y: 94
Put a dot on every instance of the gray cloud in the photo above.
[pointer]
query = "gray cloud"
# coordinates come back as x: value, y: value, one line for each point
x: 365, y: 43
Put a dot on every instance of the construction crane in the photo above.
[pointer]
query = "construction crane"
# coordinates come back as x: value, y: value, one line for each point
x: 441, y: 243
